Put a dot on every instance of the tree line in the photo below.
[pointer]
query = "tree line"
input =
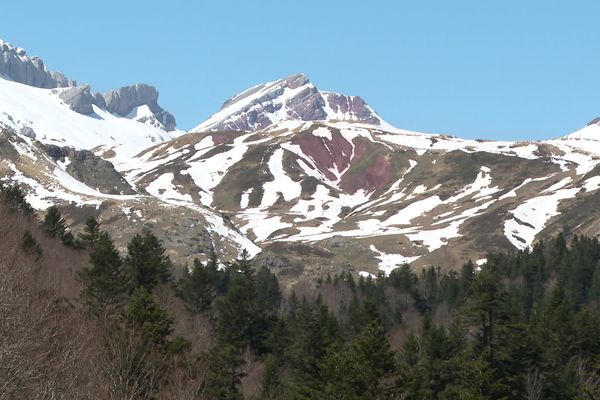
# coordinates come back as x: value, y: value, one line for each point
x: 524, y: 325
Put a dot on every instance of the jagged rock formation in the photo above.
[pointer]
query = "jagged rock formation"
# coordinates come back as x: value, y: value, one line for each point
x: 90, y: 169
x: 293, y: 98
x: 138, y: 102
x: 16, y: 65
x: 80, y: 99
x: 127, y: 100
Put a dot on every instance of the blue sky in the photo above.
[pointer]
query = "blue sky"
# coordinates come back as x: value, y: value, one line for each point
x: 477, y: 69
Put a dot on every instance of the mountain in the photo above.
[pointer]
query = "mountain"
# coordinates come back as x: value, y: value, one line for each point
x: 68, y: 146
x: 138, y: 102
x: 315, y: 182
x: 19, y: 67
x: 357, y: 194
x: 292, y: 98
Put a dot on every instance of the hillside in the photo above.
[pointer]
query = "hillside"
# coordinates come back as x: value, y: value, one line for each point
x: 314, y: 181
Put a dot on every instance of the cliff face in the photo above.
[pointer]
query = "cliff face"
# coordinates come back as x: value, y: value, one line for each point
x: 126, y: 101
x: 16, y: 65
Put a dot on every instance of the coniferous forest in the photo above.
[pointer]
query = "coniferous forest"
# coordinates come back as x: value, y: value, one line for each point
x: 526, y: 325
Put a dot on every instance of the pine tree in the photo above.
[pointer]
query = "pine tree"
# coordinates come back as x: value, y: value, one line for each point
x: 90, y: 233
x: 196, y: 289
x: 53, y: 223
x: 31, y: 246
x: 224, y: 374
x: 241, y: 321
x: 358, y: 370
x: 267, y: 289
x: 271, y: 381
x: 143, y: 316
x: 146, y: 262
x: 105, y: 281
x: 14, y: 198
x: 243, y: 264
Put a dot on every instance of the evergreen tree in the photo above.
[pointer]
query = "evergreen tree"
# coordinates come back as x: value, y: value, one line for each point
x: 105, y: 280
x: 224, y: 374
x: 312, y: 330
x: 146, y: 262
x: 196, y: 288
x: 271, y: 386
x: 31, y: 246
x: 91, y: 232
x: 241, y: 320
x: 53, y: 223
x: 267, y: 289
x: 14, y: 198
x: 147, y: 319
x: 358, y: 370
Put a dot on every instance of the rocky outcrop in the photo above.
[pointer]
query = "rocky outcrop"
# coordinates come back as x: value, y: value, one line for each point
x: 351, y: 105
x: 16, y: 65
x: 90, y: 169
x: 126, y: 100
x: 294, y: 98
x: 595, y: 121
x: 80, y: 99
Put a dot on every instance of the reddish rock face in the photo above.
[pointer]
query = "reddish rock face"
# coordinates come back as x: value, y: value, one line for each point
x: 325, y: 154
x: 220, y: 138
x: 337, y: 154
x: 376, y: 175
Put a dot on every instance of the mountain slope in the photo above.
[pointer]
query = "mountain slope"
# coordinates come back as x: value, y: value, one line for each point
x: 377, y: 197
x: 307, y: 177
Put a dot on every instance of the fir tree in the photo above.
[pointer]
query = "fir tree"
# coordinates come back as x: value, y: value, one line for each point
x: 91, y: 232
x: 105, y: 280
x: 146, y: 262
x: 196, y: 288
x: 147, y: 319
x: 14, y: 198
x: 224, y: 374
x: 271, y: 386
x: 53, y: 223
x: 31, y: 246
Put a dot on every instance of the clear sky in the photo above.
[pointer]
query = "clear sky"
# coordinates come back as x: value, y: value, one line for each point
x: 477, y: 69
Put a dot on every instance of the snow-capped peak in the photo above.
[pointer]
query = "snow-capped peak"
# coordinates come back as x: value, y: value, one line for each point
x: 295, y: 98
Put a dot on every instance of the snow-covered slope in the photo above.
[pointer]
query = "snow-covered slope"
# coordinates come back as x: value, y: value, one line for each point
x: 291, y: 98
x: 402, y: 196
x: 42, y: 113
x: 292, y: 171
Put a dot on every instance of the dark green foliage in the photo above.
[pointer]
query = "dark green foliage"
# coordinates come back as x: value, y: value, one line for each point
x: 146, y: 262
x: 271, y: 380
x: 105, y: 281
x: 90, y: 233
x: 224, y: 374
x: 146, y: 318
x: 31, y: 246
x: 357, y: 370
x: 14, y: 197
x: 53, y: 223
x: 196, y: 288
x: 242, y: 320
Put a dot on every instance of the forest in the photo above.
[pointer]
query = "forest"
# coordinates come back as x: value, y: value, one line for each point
x: 80, y: 319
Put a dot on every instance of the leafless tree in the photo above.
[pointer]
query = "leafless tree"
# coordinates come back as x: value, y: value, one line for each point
x: 588, y: 377
x: 534, y: 384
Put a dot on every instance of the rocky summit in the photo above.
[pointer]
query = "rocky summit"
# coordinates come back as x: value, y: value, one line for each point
x: 292, y: 98
x: 289, y: 173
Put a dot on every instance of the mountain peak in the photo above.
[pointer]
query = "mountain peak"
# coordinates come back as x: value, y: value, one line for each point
x: 293, y: 97
x: 16, y: 65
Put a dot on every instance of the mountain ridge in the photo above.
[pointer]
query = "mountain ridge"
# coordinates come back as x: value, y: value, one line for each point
x: 311, y: 177
x: 291, y: 98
